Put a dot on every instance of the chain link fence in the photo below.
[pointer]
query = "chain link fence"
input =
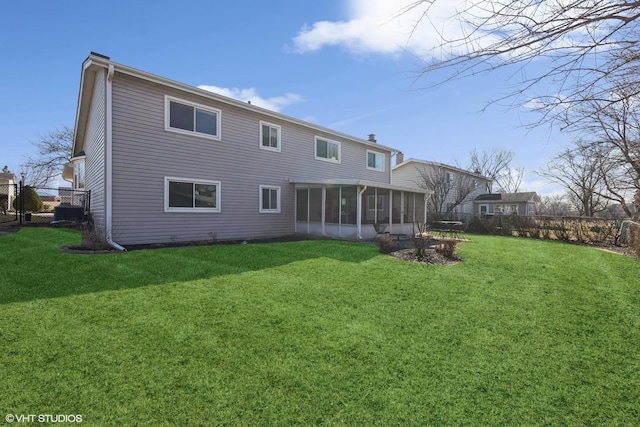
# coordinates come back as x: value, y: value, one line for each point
x: 47, y: 205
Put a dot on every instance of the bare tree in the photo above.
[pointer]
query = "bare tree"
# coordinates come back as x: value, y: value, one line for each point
x: 553, y: 205
x: 580, y: 172
x: 496, y: 165
x: 449, y: 189
x: 54, y: 151
x: 612, y: 132
x: 581, y: 47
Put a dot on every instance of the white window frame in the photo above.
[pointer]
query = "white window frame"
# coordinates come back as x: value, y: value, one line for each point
x: 279, y: 129
x: 376, y: 153
x: 167, y: 118
x: 79, y: 173
x: 486, y: 209
x: 328, y: 141
x: 278, y: 192
x: 168, y: 208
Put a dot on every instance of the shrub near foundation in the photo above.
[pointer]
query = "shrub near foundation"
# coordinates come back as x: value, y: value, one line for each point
x: 447, y: 248
x: 387, y: 244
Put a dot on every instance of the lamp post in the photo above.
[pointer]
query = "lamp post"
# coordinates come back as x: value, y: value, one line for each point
x: 21, y: 196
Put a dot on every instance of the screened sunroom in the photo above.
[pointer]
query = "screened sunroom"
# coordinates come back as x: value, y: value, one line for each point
x: 355, y: 209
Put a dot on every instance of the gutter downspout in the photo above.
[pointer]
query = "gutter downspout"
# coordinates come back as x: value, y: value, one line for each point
x: 109, y: 160
x: 359, y: 212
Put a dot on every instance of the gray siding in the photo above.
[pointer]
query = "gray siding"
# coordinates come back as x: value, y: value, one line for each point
x: 95, y: 152
x: 144, y: 153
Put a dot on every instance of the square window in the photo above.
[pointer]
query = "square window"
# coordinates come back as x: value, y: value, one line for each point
x: 327, y: 150
x: 269, y: 199
x: 375, y: 160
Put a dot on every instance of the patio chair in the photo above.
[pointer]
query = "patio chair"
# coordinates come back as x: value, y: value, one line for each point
x: 381, y: 229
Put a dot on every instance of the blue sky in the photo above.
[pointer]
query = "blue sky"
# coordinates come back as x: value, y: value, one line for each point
x: 340, y: 64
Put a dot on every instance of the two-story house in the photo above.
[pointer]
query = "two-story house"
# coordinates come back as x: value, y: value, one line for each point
x: 169, y: 162
x: 453, y: 189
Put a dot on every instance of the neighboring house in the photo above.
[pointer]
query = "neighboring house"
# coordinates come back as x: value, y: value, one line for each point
x: 450, y: 182
x: 7, y: 191
x: 168, y: 162
x: 506, y: 204
x: 50, y: 201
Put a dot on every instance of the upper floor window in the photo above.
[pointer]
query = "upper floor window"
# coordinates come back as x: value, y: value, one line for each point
x: 186, y: 117
x: 269, y: 199
x: 375, y: 160
x: 186, y: 195
x: 269, y: 136
x: 327, y: 150
x: 449, y: 178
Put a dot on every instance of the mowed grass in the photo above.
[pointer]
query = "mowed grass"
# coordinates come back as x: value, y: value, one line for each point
x: 523, y: 332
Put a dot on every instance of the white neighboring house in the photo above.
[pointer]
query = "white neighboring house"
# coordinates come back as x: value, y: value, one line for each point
x: 506, y: 204
x: 7, y: 191
x: 409, y: 173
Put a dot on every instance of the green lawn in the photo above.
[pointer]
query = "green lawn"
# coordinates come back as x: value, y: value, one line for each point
x: 523, y: 332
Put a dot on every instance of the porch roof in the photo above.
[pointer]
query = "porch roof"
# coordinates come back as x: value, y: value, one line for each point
x: 355, y: 182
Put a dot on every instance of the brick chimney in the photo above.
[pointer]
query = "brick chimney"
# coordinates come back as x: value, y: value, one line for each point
x: 399, y: 157
x: 372, y: 138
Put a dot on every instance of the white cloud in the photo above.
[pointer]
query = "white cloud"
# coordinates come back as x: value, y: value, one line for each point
x: 396, y: 26
x: 276, y: 103
x: 384, y: 26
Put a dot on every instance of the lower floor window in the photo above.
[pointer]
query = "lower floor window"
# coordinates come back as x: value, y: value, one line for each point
x: 269, y: 199
x: 185, y: 195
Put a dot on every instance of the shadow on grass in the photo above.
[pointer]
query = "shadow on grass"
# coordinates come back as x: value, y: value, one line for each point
x: 33, y: 267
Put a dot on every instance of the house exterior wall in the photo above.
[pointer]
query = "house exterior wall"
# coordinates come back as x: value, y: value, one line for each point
x: 498, y: 207
x: 408, y: 175
x: 95, y: 137
x: 144, y: 153
x: 7, y: 194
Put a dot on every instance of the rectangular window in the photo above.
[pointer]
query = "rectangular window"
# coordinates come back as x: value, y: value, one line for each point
x: 269, y: 136
x: 315, y: 204
x: 409, y: 205
x: 269, y: 199
x: 185, y: 117
x: 449, y: 178
x: 349, y: 205
x: 375, y: 161
x: 78, y: 174
x: 332, y: 205
x: 302, y: 205
x: 327, y: 150
x: 185, y: 195
x: 396, y: 207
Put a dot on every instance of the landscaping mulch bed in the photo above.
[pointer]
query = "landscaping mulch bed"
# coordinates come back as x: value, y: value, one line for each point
x: 432, y: 257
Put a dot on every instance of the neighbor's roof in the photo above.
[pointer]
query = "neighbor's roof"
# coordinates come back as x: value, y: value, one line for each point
x: 507, y: 197
x: 96, y: 61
